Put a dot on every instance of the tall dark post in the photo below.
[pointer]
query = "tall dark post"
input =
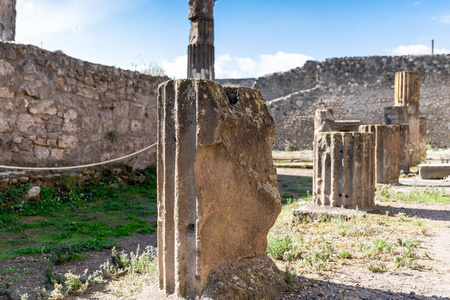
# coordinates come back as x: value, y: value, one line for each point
x: 7, y: 20
x: 201, y: 40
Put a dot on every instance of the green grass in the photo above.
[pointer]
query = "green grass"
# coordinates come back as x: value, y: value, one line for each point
x: 79, y: 218
x: 425, y: 196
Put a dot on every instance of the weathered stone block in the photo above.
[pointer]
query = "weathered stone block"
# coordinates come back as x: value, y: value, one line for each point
x: 439, y: 171
x: 323, y: 120
x: 396, y: 115
x: 387, y: 156
x: 5, y: 93
x: 346, y: 125
x: 344, y: 169
x: 43, y: 107
x: 67, y: 141
x: 217, y: 199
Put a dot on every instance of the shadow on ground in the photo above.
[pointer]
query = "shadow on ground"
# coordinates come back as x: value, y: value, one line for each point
x: 311, y: 289
x: 424, y: 213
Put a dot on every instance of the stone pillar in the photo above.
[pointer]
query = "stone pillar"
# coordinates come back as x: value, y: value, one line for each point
x: 201, y: 40
x: 217, y: 200
x: 398, y: 115
x: 323, y: 120
x: 423, y: 138
x: 387, y: 144
x: 344, y: 171
x: 407, y: 92
x: 7, y: 20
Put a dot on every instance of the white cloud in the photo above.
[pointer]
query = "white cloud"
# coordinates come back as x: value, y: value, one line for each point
x: 442, y: 19
x: 417, y: 49
x: 40, y: 17
x: 227, y: 66
x: 280, y: 62
x: 176, y: 68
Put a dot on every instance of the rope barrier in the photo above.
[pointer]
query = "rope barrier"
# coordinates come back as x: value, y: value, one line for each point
x: 80, y: 166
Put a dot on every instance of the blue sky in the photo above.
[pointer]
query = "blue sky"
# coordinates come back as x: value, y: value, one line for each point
x: 252, y: 37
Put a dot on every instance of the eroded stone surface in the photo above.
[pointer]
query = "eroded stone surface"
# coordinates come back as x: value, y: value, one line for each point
x: 217, y: 187
x: 201, y: 40
x: 7, y: 20
x: 387, y: 145
x: 51, y: 96
x: 344, y: 171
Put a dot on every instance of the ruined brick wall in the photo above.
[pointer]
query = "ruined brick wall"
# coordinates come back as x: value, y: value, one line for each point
x: 57, y: 110
x: 355, y: 88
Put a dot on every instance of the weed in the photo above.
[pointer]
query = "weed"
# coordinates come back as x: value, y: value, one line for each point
x: 377, y: 267
x: 425, y: 196
x: 112, y: 136
x: 379, y: 246
x: 279, y: 246
x: 288, y: 277
x: 66, y: 223
x: 289, y: 148
x: 344, y: 255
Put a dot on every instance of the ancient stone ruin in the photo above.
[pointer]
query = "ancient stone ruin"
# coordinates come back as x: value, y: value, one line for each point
x: 344, y: 169
x: 406, y: 112
x: 217, y: 198
x: 201, y: 40
x: 7, y: 20
x: 347, y: 165
x: 407, y: 93
x: 387, y: 144
x: 398, y: 115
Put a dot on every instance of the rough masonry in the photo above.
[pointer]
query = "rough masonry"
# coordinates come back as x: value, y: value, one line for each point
x: 7, y: 20
x: 57, y: 110
x: 217, y: 198
x: 201, y: 40
x: 354, y: 88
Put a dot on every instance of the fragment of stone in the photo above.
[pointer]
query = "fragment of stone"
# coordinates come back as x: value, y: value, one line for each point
x: 387, y: 151
x: 33, y: 194
x: 217, y: 185
x: 344, y: 169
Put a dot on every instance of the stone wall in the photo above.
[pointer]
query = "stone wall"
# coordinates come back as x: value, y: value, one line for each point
x: 354, y: 88
x: 56, y: 110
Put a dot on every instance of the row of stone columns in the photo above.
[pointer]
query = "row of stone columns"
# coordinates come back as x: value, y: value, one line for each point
x: 348, y: 164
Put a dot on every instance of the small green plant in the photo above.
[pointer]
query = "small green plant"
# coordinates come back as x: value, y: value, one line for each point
x: 379, y: 246
x: 288, y: 277
x: 344, y: 255
x: 289, y: 148
x: 279, y: 246
x: 377, y: 267
x: 112, y: 136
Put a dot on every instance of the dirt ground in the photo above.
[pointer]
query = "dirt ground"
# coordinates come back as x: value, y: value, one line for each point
x: 349, y: 282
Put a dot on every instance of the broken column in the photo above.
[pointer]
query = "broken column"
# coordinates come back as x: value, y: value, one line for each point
x: 344, y: 171
x: 7, y: 20
x: 387, y: 144
x: 398, y: 115
x: 407, y: 93
x: 217, y: 200
x: 201, y: 40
